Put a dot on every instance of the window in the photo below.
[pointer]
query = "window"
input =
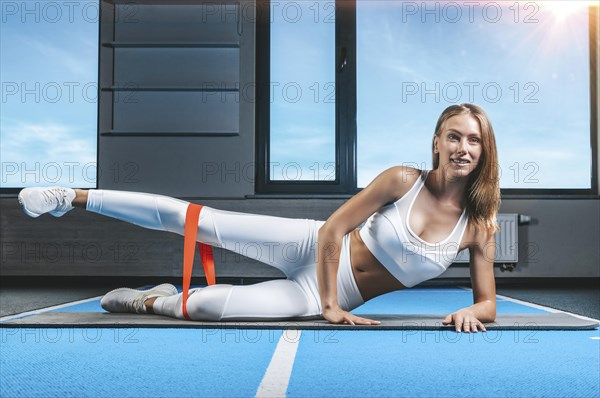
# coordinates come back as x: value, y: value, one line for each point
x: 526, y: 63
x: 301, y: 137
x: 49, y: 73
x: 302, y: 87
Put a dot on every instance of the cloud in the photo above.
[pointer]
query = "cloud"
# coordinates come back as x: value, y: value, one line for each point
x: 307, y: 143
x: 34, y: 154
x: 73, y: 59
x: 58, y: 142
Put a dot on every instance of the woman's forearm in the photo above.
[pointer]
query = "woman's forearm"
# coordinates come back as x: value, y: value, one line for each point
x: 328, y: 259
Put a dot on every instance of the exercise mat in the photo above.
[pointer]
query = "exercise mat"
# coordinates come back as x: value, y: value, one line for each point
x: 546, y: 321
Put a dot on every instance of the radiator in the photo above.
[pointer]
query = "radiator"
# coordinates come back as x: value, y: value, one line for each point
x: 507, y: 240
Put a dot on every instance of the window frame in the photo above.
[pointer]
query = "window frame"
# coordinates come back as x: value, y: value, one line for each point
x: 346, y: 108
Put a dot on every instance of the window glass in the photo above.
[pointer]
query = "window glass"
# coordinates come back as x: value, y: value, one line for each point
x: 49, y: 78
x: 525, y: 63
x: 302, y: 126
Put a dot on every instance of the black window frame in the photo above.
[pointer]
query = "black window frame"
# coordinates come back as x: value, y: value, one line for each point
x: 346, y: 108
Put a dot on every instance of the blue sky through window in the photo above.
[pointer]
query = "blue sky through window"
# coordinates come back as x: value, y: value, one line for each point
x: 49, y: 74
x: 526, y: 63
x: 413, y: 61
x: 302, y: 90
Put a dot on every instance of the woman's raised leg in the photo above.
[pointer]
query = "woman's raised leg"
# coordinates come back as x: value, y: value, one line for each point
x: 285, y: 243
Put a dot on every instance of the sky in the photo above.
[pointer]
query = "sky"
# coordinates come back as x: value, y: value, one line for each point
x: 49, y: 75
x: 527, y: 65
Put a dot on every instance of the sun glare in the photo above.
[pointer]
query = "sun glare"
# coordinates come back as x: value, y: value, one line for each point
x: 564, y: 9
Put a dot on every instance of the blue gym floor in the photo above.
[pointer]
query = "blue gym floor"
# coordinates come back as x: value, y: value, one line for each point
x: 311, y: 363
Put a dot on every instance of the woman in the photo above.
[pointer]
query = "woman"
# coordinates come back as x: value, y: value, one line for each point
x: 416, y: 223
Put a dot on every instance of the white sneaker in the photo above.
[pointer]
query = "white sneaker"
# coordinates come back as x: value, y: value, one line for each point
x: 53, y: 200
x: 132, y: 300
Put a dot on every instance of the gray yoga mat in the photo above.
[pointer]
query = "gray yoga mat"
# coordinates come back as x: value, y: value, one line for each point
x: 549, y: 321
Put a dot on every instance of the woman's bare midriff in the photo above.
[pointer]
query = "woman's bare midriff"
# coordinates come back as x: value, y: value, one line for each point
x: 372, y: 278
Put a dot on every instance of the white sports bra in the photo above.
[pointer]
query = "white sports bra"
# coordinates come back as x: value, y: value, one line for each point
x: 405, y: 255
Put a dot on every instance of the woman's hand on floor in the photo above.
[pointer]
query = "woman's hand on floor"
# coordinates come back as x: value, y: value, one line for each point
x: 338, y: 315
x: 464, y: 320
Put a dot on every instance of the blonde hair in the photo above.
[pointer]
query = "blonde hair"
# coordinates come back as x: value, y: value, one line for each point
x: 483, y: 185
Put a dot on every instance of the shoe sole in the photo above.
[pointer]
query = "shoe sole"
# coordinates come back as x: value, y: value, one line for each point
x: 57, y: 213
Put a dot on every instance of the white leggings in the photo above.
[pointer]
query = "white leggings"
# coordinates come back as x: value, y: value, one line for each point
x: 285, y: 243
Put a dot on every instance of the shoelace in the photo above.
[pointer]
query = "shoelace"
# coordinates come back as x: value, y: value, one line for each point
x: 55, y: 195
x: 137, y: 304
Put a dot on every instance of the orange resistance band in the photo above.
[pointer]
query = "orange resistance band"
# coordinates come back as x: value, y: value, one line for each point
x: 208, y: 263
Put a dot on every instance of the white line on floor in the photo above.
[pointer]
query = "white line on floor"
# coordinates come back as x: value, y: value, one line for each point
x: 540, y: 307
x: 277, y: 376
x: 42, y: 310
